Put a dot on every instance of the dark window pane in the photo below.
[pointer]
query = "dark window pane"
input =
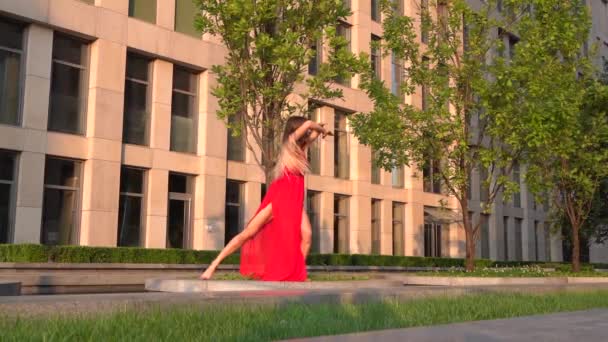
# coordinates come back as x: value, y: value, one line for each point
x: 178, y: 183
x: 65, y: 99
x: 7, y: 166
x: 137, y: 67
x: 5, y: 212
x: 129, y: 221
x: 135, y: 120
x: 131, y: 180
x: 182, y: 134
x: 177, y: 222
x: 233, y: 222
x: 185, y: 11
x: 236, y: 145
x: 182, y: 105
x: 58, y: 213
x: 68, y: 50
x: 143, y: 9
x: 90, y: 2
x: 11, y: 35
x: 184, y: 79
x: 62, y: 172
x: 10, y: 77
x: 375, y: 10
x: 233, y: 192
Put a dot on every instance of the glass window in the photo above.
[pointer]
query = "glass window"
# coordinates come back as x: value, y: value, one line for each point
x: 547, y: 244
x: 518, y: 240
x: 90, y: 2
x: 397, y: 177
x: 314, y: 150
x: 432, y: 240
x: 376, y: 58
x: 137, y: 100
x: 484, y: 187
x: 517, y: 179
x: 130, y: 207
x: 341, y: 149
x: 432, y: 177
x: 376, y: 171
x: 184, y: 110
x: 376, y: 226
x: 536, y: 240
x: 344, y: 30
x: 180, y: 210
x: 398, y: 229
x: 68, y: 82
x: 485, y: 236
x: 11, y: 56
x: 375, y: 10
x: 61, y: 201
x: 317, y: 57
x: 234, y: 211
x: 396, y: 75
x: 341, y: 229
x: 8, y: 167
x: 236, y: 144
x: 313, y: 209
x: 424, y: 32
x: 185, y: 11
x: 143, y: 9
x: 346, y: 3
x: 505, y: 236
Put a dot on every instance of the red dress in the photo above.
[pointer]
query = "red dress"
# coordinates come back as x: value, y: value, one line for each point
x: 274, y: 253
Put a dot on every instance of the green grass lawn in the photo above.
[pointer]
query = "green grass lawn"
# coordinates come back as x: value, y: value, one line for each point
x: 526, y: 271
x: 329, y: 276
x: 265, y: 323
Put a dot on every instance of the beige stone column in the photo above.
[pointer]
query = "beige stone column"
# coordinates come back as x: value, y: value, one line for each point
x: 251, y: 200
x: 30, y: 178
x: 119, y: 6
x: 160, y: 125
x: 326, y: 145
x: 209, y: 225
x: 414, y: 229
x: 360, y: 234
x: 157, y: 191
x: 386, y: 227
x: 101, y: 175
x: 165, y: 14
x: 326, y: 219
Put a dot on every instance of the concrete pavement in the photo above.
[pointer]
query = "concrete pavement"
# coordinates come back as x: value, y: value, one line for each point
x: 588, y: 326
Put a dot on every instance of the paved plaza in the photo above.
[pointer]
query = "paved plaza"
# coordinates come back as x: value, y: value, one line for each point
x: 588, y: 326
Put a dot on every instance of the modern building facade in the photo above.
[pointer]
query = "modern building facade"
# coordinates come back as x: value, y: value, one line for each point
x: 108, y: 137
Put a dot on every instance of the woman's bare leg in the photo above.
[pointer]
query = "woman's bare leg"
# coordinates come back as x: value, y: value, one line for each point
x: 252, y: 228
x: 306, y: 234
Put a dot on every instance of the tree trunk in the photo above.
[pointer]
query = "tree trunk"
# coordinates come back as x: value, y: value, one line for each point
x: 470, y: 250
x: 576, y: 249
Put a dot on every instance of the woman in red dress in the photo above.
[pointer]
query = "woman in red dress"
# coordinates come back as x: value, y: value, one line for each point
x: 276, y: 241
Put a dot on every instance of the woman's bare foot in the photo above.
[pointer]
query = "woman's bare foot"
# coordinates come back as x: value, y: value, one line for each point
x: 208, y: 273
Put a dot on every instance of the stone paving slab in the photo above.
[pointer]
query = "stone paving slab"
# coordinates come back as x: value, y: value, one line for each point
x: 488, y: 281
x: 98, y: 303
x: 588, y: 326
x: 195, y: 285
x: 10, y: 288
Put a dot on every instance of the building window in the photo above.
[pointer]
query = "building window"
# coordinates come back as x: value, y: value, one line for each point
x: 517, y: 180
x: 505, y: 236
x: 484, y: 186
x: 234, y: 210
x: 185, y: 11
x: 68, y: 83
x: 130, y: 205
x: 431, y: 177
x: 376, y: 171
x: 485, y: 236
x: 344, y: 30
x: 90, y: 2
x: 424, y: 13
x: 317, y: 57
x: 11, y: 57
x: 398, y: 6
x: 432, y: 239
x: 236, y: 144
x: 376, y: 58
x: 536, y: 240
x: 314, y: 150
x: 346, y: 4
x: 396, y: 75
x: 547, y: 244
x: 398, y: 229
x: 375, y: 10
x: 425, y: 92
x: 8, y: 171
x: 184, y: 110
x: 143, y: 9
x: 136, y: 116
x: 180, y: 210
x: 518, y: 240
x: 313, y: 209
x: 341, y: 150
x: 397, y: 177
x: 61, y: 201
x: 341, y: 224
x: 376, y: 226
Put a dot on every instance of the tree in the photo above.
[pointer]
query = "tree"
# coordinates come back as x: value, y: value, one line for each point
x: 269, y: 46
x: 575, y: 167
x: 484, y: 102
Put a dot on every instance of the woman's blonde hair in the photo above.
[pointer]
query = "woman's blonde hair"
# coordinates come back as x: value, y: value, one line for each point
x: 291, y: 157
